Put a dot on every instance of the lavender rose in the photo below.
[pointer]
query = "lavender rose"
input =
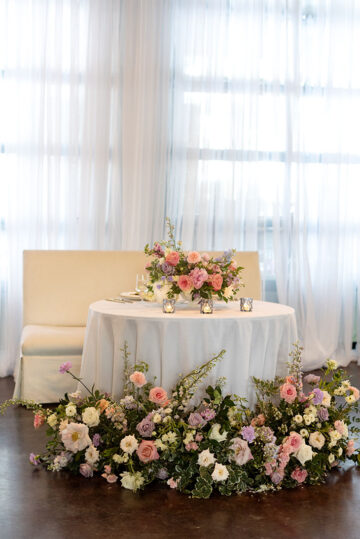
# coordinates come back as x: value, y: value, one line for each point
x: 145, y: 427
x: 195, y: 420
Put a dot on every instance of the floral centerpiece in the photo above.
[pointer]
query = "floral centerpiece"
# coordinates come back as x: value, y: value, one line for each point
x: 294, y: 436
x: 191, y: 274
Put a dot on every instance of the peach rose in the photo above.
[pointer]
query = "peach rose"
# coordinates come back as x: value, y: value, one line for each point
x: 355, y: 392
x: 173, y: 258
x: 102, y: 405
x: 138, y: 379
x: 39, y: 420
x: 147, y: 451
x: 258, y: 421
x: 193, y: 257
x: 350, y: 448
x: 158, y: 395
x: 288, y: 392
x: 216, y: 281
x: 185, y: 282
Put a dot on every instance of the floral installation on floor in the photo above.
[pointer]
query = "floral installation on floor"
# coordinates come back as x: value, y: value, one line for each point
x: 193, y: 275
x: 293, y: 437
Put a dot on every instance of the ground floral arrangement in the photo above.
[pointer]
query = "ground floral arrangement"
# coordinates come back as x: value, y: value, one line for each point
x: 173, y: 271
x: 293, y: 437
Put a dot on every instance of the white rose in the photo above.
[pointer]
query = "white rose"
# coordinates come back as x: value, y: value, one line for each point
x: 331, y: 458
x: 317, y: 439
x: 70, y: 410
x: 91, y: 455
x: 206, y: 458
x: 298, y: 419
x: 129, y: 444
x: 304, y: 453
x: 326, y: 399
x: 220, y: 472
x: 214, y: 433
x: 91, y: 416
x: 52, y: 420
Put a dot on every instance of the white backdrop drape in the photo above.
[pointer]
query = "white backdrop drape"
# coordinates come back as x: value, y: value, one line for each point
x: 238, y: 119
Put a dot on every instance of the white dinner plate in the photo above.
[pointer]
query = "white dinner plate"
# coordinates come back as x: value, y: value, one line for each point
x: 134, y: 296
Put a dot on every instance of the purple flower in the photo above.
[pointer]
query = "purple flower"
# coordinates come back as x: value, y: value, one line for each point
x: 208, y: 414
x: 276, y: 478
x: 168, y: 269
x: 318, y: 396
x: 86, y: 470
x: 158, y: 250
x: 96, y: 440
x: 158, y: 286
x: 312, y: 379
x: 248, y: 433
x: 65, y: 367
x: 162, y: 473
x: 34, y: 459
x: 323, y: 414
x: 145, y: 427
x: 195, y: 420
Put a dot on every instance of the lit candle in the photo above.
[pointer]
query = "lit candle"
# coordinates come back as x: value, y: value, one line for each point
x: 169, y: 306
x: 246, y: 304
x: 206, y: 306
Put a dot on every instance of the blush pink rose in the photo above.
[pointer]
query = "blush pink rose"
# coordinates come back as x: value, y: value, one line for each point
x: 216, y: 281
x: 205, y: 257
x: 299, y: 475
x: 258, y: 421
x: 192, y: 446
x: 185, y: 282
x: 173, y: 258
x: 350, y: 448
x: 293, y: 442
x: 138, y: 379
x: 147, y: 451
x: 340, y: 426
x: 172, y: 482
x: 288, y: 392
x: 193, y: 257
x: 39, y: 420
x: 355, y: 392
x: 158, y: 395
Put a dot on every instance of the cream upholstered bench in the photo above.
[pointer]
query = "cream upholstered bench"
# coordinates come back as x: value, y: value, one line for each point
x: 58, y: 287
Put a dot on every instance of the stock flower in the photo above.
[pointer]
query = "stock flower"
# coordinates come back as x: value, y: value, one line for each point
x: 173, y: 258
x: 147, y: 451
x: 65, y: 367
x: 317, y: 439
x: 158, y: 395
x: 129, y: 444
x: 241, y: 451
x: 208, y: 414
x: 91, y: 416
x: 205, y: 458
x: 304, y: 453
x: 52, y: 420
x: 318, y: 396
x: 214, y: 433
x: 299, y: 475
x: 220, y: 472
x: 39, y: 420
x: 193, y: 257
x: 288, y: 392
x: 75, y: 437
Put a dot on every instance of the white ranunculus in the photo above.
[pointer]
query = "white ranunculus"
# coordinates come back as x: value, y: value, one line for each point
x: 304, y: 433
x: 52, y: 420
x: 76, y: 437
x: 92, y: 455
x: 129, y: 444
x: 70, y: 410
x: 304, y: 453
x: 214, y: 433
x: 220, y: 472
x: 309, y: 418
x: 206, y: 458
x: 311, y: 410
x: 317, y: 439
x: 298, y: 419
x: 132, y: 481
x: 91, y: 416
x: 326, y: 399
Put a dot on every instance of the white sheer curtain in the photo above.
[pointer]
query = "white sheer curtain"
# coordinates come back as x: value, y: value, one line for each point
x: 237, y: 118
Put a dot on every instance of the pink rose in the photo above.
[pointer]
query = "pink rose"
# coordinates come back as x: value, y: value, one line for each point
x: 138, y: 379
x: 39, y: 420
x: 172, y: 482
x: 185, y: 282
x: 288, y: 392
x: 268, y: 468
x: 216, y: 281
x: 198, y: 276
x: 355, y: 392
x: 158, y: 395
x: 293, y: 442
x: 199, y: 437
x: 112, y: 478
x: 193, y: 257
x: 340, y: 426
x: 350, y: 448
x: 299, y: 475
x: 258, y: 421
x: 147, y: 451
x: 205, y: 257
x: 173, y: 258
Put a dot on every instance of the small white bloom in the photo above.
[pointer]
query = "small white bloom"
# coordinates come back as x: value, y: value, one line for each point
x: 168, y: 410
x: 304, y: 453
x: 156, y: 418
x: 350, y: 399
x: 346, y: 384
x: 332, y: 364
x: 335, y: 436
x: 340, y: 391
x: 70, y: 410
x: 92, y: 455
x: 331, y: 458
x: 298, y: 419
x: 75, y: 396
x: 220, y: 472
x: 159, y: 445
x: 129, y: 444
x: 214, y: 433
x: 52, y: 420
x: 189, y: 437
x: 172, y: 437
x: 118, y: 458
x: 91, y: 416
x: 310, y: 418
x: 304, y: 433
x: 317, y: 439
x: 132, y: 481
x: 340, y: 451
x: 311, y: 410
x: 206, y: 458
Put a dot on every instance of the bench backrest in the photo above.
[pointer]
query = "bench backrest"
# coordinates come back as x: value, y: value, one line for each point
x: 59, y: 286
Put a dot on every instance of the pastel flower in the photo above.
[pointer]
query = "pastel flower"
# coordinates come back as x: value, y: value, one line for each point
x: 288, y: 392
x: 248, y: 433
x: 158, y: 395
x: 350, y: 448
x: 91, y: 416
x: 111, y: 478
x: 34, y: 459
x: 129, y: 444
x: 185, y: 283
x: 70, y: 410
x: 96, y: 440
x: 342, y: 428
x: 331, y: 458
x: 258, y: 421
x: 206, y: 458
x: 199, y: 437
x: 138, y: 379
x: 326, y: 399
x: 173, y: 258
x: 193, y: 257
x: 75, y: 437
x: 304, y: 433
x: 205, y: 257
x: 317, y: 439
x: 216, y: 281
x: 39, y: 420
x: 52, y: 420
x: 214, y: 433
x: 162, y: 474
x: 147, y: 451
x: 102, y: 404
x: 355, y: 392
x: 92, y: 455
x: 299, y: 475
x: 220, y: 472
x: 298, y: 419
x: 332, y: 364
x: 318, y: 396
x: 172, y: 482
x: 208, y: 414
x: 65, y: 367
x: 196, y: 420
x: 86, y: 470
x: 145, y: 427
x: 304, y: 453
x: 293, y: 442
x: 277, y: 477
x: 241, y: 451
x: 192, y: 446
x: 312, y: 379
x: 198, y: 276
x: 132, y: 481
x: 323, y: 414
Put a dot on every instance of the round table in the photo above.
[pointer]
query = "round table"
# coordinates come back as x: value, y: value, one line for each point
x: 257, y: 343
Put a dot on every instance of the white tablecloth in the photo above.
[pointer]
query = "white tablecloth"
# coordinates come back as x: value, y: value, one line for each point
x: 256, y: 343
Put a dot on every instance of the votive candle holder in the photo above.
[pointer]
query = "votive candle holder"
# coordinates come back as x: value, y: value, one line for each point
x: 206, y: 306
x: 246, y: 304
x: 169, y: 306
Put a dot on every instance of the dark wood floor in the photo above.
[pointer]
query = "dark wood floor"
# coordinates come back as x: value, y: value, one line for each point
x: 40, y: 504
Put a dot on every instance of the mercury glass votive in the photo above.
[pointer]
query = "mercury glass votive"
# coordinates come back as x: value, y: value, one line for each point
x: 206, y: 306
x: 246, y: 304
x: 169, y: 306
